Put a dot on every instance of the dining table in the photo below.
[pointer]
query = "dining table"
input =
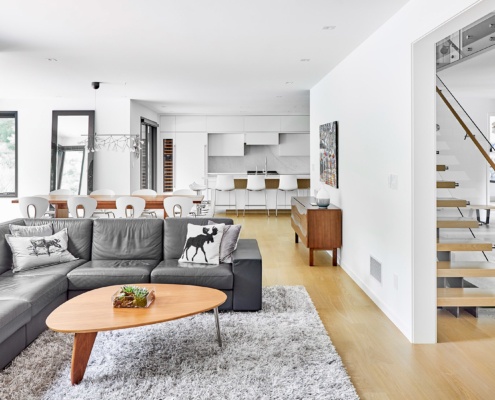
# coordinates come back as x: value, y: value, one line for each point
x: 108, y: 202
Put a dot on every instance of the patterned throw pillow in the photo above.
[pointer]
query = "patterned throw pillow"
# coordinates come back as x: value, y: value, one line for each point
x: 35, y: 230
x: 202, y: 244
x: 229, y: 241
x: 37, y: 251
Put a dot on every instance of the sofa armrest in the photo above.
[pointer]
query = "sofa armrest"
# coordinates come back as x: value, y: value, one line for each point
x: 246, y: 267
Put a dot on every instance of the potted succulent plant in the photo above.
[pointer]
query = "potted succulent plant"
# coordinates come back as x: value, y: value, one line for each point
x: 133, y: 296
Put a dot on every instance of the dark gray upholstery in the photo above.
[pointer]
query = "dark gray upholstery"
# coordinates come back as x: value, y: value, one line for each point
x: 115, y: 252
x: 99, y: 273
x: 217, y: 277
x: 79, y: 231
x: 5, y: 253
x: 58, y: 269
x: 127, y: 239
x: 38, y: 291
x: 14, y: 314
x: 175, y: 232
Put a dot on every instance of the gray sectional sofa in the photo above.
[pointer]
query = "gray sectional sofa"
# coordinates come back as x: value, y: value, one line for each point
x: 114, y: 252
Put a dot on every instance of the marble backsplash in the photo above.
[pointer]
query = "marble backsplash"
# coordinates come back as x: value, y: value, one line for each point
x: 255, y: 156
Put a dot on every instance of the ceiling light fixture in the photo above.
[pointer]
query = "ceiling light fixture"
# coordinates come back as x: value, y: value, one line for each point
x: 52, y: 59
x: 119, y: 142
x: 289, y: 83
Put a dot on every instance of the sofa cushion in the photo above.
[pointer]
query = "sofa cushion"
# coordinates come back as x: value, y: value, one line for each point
x: 58, y: 269
x: 79, y: 231
x: 36, y: 230
x: 14, y: 314
x: 214, y: 276
x: 175, y: 231
x: 98, y: 273
x: 5, y: 252
x: 127, y: 239
x: 38, y: 291
x: 202, y: 244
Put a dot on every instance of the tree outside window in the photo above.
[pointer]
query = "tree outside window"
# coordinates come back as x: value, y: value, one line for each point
x: 8, y: 154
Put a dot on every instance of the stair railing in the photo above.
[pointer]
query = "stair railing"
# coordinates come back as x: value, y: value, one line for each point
x: 463, y: 124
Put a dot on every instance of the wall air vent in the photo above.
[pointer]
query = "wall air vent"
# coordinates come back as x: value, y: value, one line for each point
x: 376, y: 269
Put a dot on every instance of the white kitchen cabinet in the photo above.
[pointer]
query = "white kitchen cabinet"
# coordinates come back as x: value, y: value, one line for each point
x: 226, y: 144
x: 190, y: 123
x: 262, y: 138
x: 224, y: 124
x: 190, y: 158
x: 294, y: 144
x: 265, y: 123
x: 167, y: 123
x: 294, y: 123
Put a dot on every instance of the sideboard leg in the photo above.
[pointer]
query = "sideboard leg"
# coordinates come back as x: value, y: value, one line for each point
x: 334, y: 257
x: 311, y: 257
x: 296, y: 238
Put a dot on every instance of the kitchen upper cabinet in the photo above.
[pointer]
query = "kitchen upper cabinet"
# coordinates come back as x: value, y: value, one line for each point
x: 294, y: 123
x: 224, y: 124
x: 262, y: 138
x: 226, y: 144
x: 266, y: 123
x: 190, y: 158
x: 190, y: 123
x: 294, y: 144
x: 167, y: 123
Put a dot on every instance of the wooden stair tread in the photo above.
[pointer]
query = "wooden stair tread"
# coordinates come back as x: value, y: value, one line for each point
x: 462, y: 245
x: 442, y: 168
x: 465, y: 297
x: 457, y: 222
x: 482, y: 206
x: 446, y: 184
x: 450, y: 202
x: 458, y: 269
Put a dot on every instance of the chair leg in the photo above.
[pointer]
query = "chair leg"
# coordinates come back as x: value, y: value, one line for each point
x: 235, y: 204
x: 266, y: 205
x: 276, y: 202
x: 214, y: 201
x: 246, y: 202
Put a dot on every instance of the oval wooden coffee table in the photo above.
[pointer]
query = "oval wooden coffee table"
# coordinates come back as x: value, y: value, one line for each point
x: 93, y: 312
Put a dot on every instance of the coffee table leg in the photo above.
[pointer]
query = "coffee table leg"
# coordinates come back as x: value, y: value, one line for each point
x: 83, y: 344
x: 219, y: 338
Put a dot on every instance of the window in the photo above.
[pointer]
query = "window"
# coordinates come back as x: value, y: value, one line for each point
x: 148, y: 154
x: 8, y: 153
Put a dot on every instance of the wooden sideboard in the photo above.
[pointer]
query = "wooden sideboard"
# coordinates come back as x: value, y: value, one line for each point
x: 318, y: 228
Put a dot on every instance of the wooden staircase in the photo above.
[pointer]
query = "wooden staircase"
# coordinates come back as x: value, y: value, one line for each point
x: 457, y: 293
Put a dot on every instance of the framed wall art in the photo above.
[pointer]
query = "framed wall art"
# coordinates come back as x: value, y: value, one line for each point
x: 329, y: 154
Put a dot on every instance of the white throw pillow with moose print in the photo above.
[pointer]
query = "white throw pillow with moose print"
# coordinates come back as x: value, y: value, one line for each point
x: 202, y: 244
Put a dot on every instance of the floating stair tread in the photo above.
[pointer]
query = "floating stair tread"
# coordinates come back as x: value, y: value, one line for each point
x: 457, y: 222
x: 462, y: 245
x: 442, y: 168
x: 482, y: 206
x: 465, y: 297
x: 450, y: 202
x: 458, y: 269
x: 446, y: 184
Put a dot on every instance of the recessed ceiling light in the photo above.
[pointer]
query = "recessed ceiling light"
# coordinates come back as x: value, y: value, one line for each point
x: 329, y: 28
x: 279, y: 96
x: 52, y: 59
x: 289, y: 83
x: 305, y: 59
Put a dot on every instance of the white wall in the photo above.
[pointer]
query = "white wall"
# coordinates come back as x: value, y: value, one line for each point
x: 34, y: 145
x: 370, y: 94
x: 138, y: 111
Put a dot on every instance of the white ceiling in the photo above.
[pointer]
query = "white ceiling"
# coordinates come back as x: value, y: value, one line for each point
x: 474, y: 77
x: 182, y: 56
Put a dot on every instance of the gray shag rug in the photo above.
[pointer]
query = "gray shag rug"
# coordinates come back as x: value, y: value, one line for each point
x: 281, y: 352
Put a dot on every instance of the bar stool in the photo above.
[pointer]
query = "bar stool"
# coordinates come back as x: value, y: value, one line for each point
x: 286, y: 183
x: 255, y: 183
x: 225, y: 183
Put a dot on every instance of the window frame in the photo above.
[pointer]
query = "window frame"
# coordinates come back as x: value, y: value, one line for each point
x: 13, y: 114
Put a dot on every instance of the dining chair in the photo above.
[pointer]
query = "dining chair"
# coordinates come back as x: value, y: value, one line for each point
x: 286, y: 183
x: 146, y: 192
x: 225, y: 183
x: 88, y: 205
x: 255, y: 183
x: 38, y: 204
x: 136, y: 204
x: 178, y: 206
x: 103, y: 192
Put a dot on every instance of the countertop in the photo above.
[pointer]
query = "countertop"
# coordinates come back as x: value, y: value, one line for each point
x: 302, y: 175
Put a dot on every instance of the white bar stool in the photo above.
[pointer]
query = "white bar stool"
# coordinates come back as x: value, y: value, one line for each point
x: 225, y: 183
x: 286, y: 183
x: 255, y: 183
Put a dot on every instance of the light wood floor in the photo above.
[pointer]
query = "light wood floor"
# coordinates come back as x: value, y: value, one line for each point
x: 382, y: 363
